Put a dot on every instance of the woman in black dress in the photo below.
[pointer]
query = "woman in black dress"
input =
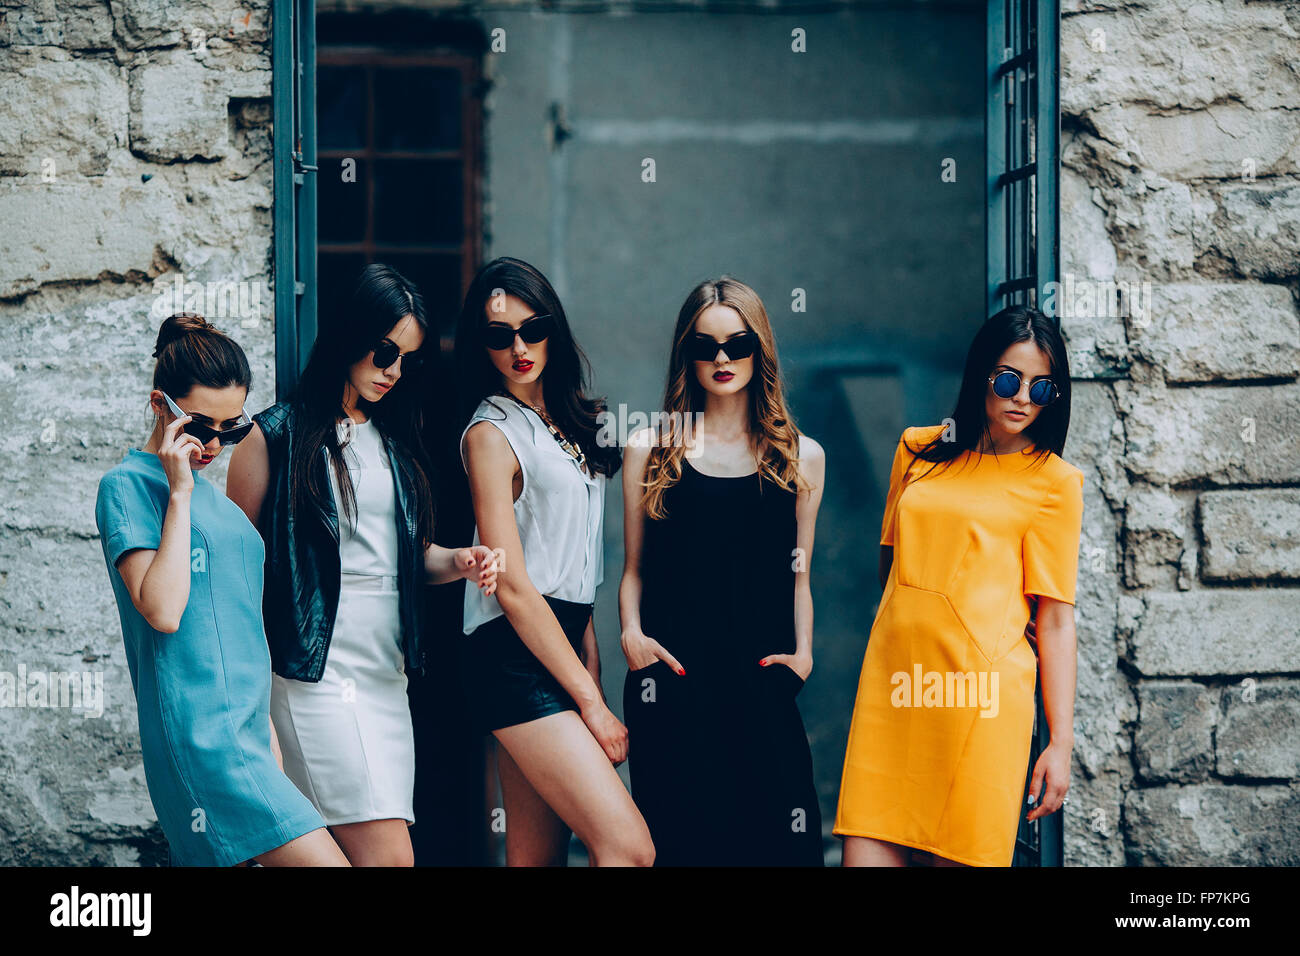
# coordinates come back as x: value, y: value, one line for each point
x: 719, y: 761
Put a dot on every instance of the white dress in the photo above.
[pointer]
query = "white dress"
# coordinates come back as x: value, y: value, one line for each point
x: 347, y: 741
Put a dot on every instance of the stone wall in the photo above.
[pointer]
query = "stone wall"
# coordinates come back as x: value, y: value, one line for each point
x: 1181, y: 186
x: 134, y: 147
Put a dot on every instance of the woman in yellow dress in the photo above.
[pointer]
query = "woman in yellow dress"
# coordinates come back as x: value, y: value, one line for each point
x: 981, y: 524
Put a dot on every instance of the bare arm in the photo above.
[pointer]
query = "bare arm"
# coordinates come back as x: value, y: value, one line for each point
x: 591, y: 651
x: 813, y: 469
x: 1057, y: 667
x: 249, y: 474
x: 640, y: 649
x: 159, y: 580
x: 492, y: 465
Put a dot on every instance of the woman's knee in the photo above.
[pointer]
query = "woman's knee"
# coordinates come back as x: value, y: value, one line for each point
x: 628, y: 846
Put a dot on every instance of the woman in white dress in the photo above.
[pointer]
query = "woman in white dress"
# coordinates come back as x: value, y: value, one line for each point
x: 336, y: 479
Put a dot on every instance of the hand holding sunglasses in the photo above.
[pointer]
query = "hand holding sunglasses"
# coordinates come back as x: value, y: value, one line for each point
x: 1042, y: 392
x: 204, y: 433
x: 704, y: 348
x: 501, y: 337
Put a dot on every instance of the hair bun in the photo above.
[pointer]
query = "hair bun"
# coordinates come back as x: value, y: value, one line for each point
x: 177, y: 326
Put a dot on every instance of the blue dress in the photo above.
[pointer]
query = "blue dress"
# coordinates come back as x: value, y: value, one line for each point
x: 203, y: 693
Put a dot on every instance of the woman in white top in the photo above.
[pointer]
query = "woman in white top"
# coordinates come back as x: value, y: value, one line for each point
x: 341, y: 465
x: 530, y: 666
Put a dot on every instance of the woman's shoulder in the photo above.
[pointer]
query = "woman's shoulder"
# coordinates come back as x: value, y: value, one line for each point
x: 495, y: 408
x: 810, y: 448
x: 134, y: 478
x: 1057, y: 470
x: 274, y: 421
x: 915, y: 436
x: 812, y: 459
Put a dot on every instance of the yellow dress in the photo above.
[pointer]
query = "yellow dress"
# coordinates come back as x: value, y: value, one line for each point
x: 939, y: 744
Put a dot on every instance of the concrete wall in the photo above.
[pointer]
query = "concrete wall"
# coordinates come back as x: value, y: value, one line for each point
x: 818, y: 171
x: 1181, y: 148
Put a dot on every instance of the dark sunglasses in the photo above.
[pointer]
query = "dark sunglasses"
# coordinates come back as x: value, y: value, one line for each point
x: 387, y: 352
x: 1042, y: 392
x: 500, y: 337
x: 704, y: 348
x: 204, y: 433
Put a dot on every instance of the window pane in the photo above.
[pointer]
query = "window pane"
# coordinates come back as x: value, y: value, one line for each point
x: 417, y: 108
x: 438, y: 279
x: 418, y: 201
x: 341, y: 107
x: 341, y: 206
x: 336, y: 274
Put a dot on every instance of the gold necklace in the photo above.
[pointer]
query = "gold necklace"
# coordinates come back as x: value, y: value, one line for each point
x: 570, y: 447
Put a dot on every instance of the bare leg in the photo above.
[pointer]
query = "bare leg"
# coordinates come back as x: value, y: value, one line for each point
x: 567, y: 768
x: 933, y: 859
x: 535, y: 836
x: 376, y: 842
x: 864, y: 851
x: 316, y: 848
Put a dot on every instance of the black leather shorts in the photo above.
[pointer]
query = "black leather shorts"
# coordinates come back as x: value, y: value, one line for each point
x: 505, y: 684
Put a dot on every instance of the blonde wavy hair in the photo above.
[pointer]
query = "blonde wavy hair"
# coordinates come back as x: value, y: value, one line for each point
x: 772, y: 431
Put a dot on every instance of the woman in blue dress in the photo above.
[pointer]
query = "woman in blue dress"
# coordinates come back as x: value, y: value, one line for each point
x: 186, y: 570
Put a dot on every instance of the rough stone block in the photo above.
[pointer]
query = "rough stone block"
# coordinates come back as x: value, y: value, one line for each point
x: 1216, y: 142
x: 1155, y: 534
x: 178, y: 112
x: 1254, y: 227
x: 1218, y: 632
x: 1259, y: 732
x: 69, y: 231
x: 1178, y: 55
x: 1184, y: 334
x: 59, y: 118
x: 1175, y: 733
x: 1242, y: 435
x: 1213, y: 825
x: 1250, y: 535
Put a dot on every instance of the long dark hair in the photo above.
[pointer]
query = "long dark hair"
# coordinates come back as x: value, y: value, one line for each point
x: 565, y: 376
x: 1016, y: 323
x: 190, y: 352
x: 381, y: 298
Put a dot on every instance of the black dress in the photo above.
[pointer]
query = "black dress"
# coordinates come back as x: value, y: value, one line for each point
x: 719, y: 761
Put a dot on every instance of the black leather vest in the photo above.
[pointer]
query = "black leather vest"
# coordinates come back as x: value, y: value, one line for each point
x: 301, y: 594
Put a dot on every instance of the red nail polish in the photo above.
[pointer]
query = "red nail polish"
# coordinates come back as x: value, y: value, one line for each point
x: 682, y: 672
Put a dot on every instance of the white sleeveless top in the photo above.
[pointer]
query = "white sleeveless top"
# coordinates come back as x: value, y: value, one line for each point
x: 371, y: 546
x: 560, y: 513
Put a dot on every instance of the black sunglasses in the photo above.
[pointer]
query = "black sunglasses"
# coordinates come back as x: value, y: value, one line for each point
x: 704, y: 348
x: 387, y: 352
x: 500, y: 337
x: 205, y: 433
x: 1042, y: 392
